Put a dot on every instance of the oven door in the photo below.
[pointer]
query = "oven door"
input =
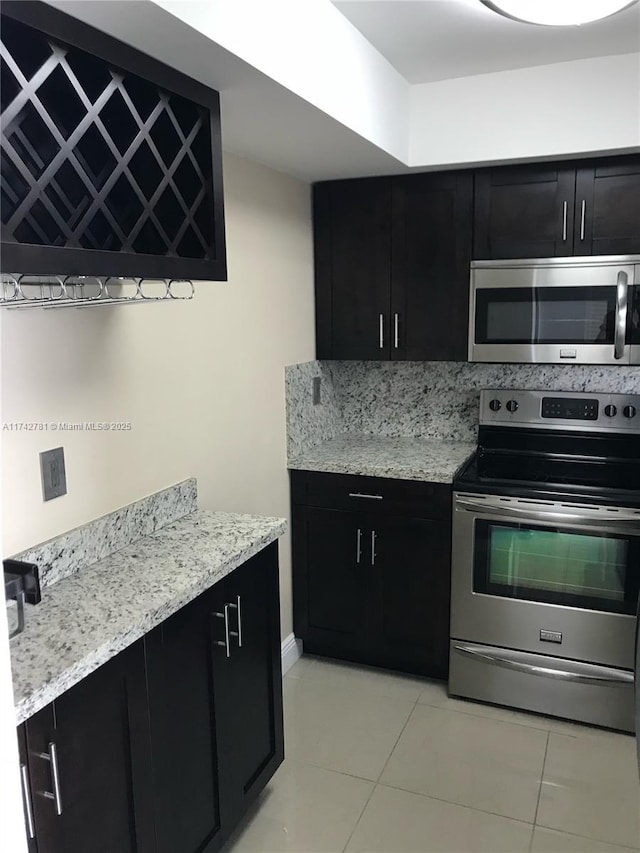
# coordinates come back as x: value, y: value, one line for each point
x: 554, y: 310
x: 544, y: 577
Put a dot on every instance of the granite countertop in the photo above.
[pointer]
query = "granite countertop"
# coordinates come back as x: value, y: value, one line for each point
x: 428, y: 459
x: 87, y: 618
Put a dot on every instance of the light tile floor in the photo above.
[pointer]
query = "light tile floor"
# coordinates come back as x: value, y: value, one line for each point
x: 378, y: 762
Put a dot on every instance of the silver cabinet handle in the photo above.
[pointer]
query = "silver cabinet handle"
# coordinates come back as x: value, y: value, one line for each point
x: 56, y: 796
x: 225, y: 643
x: 373, y: 547
x: 395, y: 330
x: 238, y: 608
x: 600, y: 674
x: 583, y: 211
x: 361, y: 495
x: 26, y: 799
x: 381, y: 330
x: 564, y: 221
x: 622, y: 288
x: 358, y: 546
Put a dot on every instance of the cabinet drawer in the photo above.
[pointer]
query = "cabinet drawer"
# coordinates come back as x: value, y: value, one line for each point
x: 373, y: 494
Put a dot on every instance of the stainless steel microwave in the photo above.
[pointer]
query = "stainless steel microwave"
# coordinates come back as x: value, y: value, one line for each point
x: 582, y: 310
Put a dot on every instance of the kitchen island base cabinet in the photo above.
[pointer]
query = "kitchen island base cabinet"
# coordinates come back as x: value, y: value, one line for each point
x: 163, y: 748
x: 372, y: 586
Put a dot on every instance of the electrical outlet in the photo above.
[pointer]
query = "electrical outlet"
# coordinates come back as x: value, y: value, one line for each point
x: 54, y: 478
x: 317, y: 380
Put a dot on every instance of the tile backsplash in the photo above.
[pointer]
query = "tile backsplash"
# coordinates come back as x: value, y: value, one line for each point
x: 432, y: 399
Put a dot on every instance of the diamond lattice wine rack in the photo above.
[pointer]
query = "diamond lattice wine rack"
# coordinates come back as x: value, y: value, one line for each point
x: 111, y: 161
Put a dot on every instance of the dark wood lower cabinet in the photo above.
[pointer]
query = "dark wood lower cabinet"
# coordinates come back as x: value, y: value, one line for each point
x: 89, y: 763
x: 162, y: 749
x: 372, y: 586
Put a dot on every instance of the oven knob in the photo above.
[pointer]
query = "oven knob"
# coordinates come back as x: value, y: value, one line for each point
x: 495, y: 405
x: 629, y: 411
x: 512, y: 406
x: 610, y: 411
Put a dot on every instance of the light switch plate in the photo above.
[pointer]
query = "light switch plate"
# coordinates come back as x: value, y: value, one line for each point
x: 54, y: 478
x: 317, y: 380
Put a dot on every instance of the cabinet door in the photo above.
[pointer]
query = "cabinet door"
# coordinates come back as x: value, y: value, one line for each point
x: 248, y: 684
x: 352, y: 231
x: 524, y: 212
x: 608, y: 207
x: 411, y: 578
x: 330, y: 580
x: 432, y: 218
x: 187, y: 793
x: 94, y: 740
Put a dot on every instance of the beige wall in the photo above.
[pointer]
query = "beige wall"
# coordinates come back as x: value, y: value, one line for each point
x: 202, y: 383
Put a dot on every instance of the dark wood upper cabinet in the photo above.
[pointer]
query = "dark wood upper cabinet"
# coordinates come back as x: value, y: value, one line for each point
x: 392, y: 267
x: 431, y: 252
x: 94, y: 740
x: 608, y: 207
x: 524, y: 211
x: 111, y: 161
x: 587, y: 207
x: 352, y: 229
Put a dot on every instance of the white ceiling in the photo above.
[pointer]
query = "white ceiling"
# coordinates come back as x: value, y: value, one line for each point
x: 428, y: 40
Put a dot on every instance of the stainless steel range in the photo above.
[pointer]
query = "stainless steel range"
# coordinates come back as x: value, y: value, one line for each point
x: 546, y: 556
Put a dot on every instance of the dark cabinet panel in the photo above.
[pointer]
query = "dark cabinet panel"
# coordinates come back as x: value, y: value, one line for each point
x: 608, y: 207
x: 90, y: 764
x: 111, y: 161
x: 248, y: 683
x: 331, y: 550
x: 431, y: 252
x: 215, y: 707
x: 352, y: 228
x: 411, y: 580
x: 524, y: 211
x: 182, y: 715
x: 371, y: 586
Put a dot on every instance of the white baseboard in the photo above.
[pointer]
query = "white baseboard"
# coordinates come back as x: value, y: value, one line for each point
x: 291, y: 651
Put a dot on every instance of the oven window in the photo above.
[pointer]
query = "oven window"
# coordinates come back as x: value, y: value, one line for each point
x: 594, y: 571
x: 545, y: 315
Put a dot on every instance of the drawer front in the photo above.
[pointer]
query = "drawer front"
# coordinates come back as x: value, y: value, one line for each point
x: 371, y: 494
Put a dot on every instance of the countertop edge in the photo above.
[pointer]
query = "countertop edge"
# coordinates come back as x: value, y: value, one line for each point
x: 50, y: 690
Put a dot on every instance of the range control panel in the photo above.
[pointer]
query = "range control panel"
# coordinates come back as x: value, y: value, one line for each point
x: 561, y: 410
x: 570, y: 408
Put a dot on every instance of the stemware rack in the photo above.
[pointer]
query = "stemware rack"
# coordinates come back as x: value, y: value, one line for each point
x: 74, y: 291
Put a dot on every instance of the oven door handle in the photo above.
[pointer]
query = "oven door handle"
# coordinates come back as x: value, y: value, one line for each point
x: 599, y: 674
x: 622, y: 289
x: 617, y: 519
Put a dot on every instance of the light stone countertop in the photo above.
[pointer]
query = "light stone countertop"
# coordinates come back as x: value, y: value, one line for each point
x: 87, y: 618
x: 428, y: 459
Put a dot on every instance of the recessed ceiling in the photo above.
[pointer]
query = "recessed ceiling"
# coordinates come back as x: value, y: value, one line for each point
x: 428, y: 40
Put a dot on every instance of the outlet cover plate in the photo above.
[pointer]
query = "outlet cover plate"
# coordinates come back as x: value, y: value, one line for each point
x: 54, y: 478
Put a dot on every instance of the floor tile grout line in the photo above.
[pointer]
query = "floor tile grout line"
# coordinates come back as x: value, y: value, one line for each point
x: 587, y: 837
x: 455, y: 803
x: 544, y: 765
x: 377, y: 783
